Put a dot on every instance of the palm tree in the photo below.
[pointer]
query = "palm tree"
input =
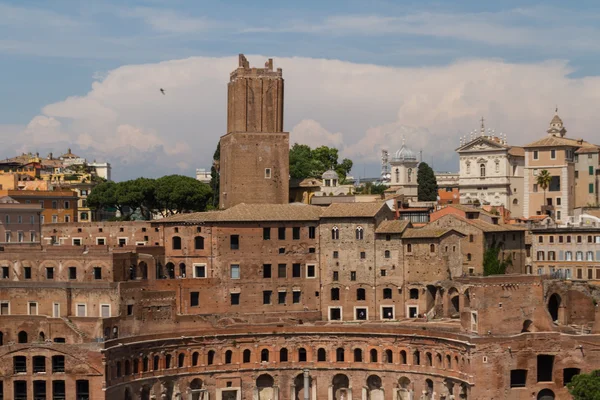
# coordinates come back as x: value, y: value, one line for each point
x: 543, y: 180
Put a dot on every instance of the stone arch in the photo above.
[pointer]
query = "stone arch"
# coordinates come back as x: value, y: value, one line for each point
x: 143, y: 270
x: 554, y: 303
x: 299, y: 389
x: 127, y: 394
x: 22, y: 337
x: 546, y: 394
x: 453, y: 303
x: 265, y: 385
x: 374, y: 388
x: 404, y: 392
x: 145, y: 392
x: 428, y: 389
x: 170, y: 270
x: 464, y: 392
x: 196, y: 389
x: 527, y: 326
x: 373, y: 356
x: 341, y: 384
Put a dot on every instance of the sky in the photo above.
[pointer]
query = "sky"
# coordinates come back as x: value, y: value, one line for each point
x: 360, y: 75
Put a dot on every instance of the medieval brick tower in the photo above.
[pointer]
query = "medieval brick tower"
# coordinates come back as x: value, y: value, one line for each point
x: 254, y: 165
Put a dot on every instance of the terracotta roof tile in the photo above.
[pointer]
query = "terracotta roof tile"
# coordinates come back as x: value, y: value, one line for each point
x: 251, y: 212
x: 517, y: 151
x: 558, y: 141
x: 343, y: 210
x: 392, y: 226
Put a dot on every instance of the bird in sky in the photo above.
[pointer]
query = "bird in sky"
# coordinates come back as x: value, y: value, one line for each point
x: 162, y: 91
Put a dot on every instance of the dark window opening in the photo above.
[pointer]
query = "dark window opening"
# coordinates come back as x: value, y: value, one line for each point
x: 58, y: 363
x: 211, y: 357
x: 228, y: 356
x: 545, y: 366
x: 267, y: 296
x: 266, y: 270
x: 296, y: 297
x: 281, y: 270
x: 358, y: 355
x: 335, y: 293
x: 82, y: 390
x: 296, y: 271
x: 339, y: 355
x: 281, y: 233
x: 234, y: 242
x: 19, y: 364
x: 246, y: 356
x: 264, y: 355
x: 414, y: 294
x: 235, y: 299
x: 296, y: 233
x: 568, y: 374
x: 281, y: 297
x: 302, y: 354
x: 72, y: 272
x: 199, y: 243
x: 518, y: 378
x: 321, y: 355
x: 195, y: 358
x: 312, y: 232
x: 176, y: 243
x: 361, y: 294
x: 194, y: 299
x: 374, y: 355
x: 335, y: 314
x: 387, y: 293
x: 266, y: 233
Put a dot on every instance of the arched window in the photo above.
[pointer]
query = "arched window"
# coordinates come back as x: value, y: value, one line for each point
x: 136, y: 365
x: 145, y: 364
x: 432, y: 248
x: 482, y: 170
x: 373, y: 355
x: 180, y: 360
x: 246, y: 356
x: 264, y: 355
x: 176, y: 243
x: 199, y: 243
x: 515, y: 202
x: 359, y: 233
x: 409, y: 248
x: 416, y: 358
x: 429, y: 359
x: 118, y: 369
x: 195, y: 358
x: 339, y: 354
x: 439, y: 360
x: 302, y: 354
x: 182, y: 271
x: 228, y: 356
x: 468, y: 167
x: 335, y: 233
x: 387, y: 293
x: 469, y: 256
x: 211, y: 357
x: 409, y: 175
x: 321, y: 355
x: 397, y: 175
x: 357, y: 355
x: 389, y: 356
x: 168, y: 358
x: 22, y: 337
x: 497, y: 166
x: 155, y: 363
x: 361, y: 294
x: 386, y: 254
x: 127, y: 367
x: 283, y: 355
x: 448, y: 361
x: 403, y: 357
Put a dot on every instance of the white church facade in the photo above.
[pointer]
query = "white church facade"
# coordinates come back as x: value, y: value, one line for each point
x: 491, y: 172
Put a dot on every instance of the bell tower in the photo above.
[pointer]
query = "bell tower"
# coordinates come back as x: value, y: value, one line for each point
x: 254, y: 164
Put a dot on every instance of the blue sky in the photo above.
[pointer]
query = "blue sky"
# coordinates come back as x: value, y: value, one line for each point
x: 53, y: 52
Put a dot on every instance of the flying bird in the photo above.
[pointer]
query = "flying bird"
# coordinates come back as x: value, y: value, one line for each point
x: 162, y: 91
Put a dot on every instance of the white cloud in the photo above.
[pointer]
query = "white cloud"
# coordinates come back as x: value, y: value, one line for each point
x: 359, y: 108
x: 169, y: 21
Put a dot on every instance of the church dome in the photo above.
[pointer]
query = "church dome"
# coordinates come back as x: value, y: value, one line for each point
x: 404, y: 154
x: 330, y: 174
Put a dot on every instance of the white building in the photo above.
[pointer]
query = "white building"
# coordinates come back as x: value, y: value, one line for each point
x: 103, y: 169
x: 203, y: 175
x: 491, y: 172
x: 403, y: 172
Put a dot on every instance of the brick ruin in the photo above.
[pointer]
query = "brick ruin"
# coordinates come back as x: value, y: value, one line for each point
x: 285, y: 301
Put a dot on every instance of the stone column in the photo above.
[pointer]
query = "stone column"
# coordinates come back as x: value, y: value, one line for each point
x: 306, y: 385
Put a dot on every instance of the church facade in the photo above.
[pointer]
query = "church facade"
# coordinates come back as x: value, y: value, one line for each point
x: 491, y: 172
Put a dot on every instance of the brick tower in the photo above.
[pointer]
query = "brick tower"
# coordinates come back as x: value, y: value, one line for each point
x: 254, y: 164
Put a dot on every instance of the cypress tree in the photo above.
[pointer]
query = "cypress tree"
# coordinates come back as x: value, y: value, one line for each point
x: 428, y: 188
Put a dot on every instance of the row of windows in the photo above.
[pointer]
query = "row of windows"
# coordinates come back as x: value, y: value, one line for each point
x: 8, y: 236
x: 33, y: 309
x: 198, y: 243
x: 49, y: 272
x: 20, y: 390
x: 569, y: 238
x: 567, y: 256
x: 336, y: 275
x: 157, y: 362
x: 359, y: 233
x: 567, y: 273
x: 282, y: 271
x: 281, y: 233
x: 38, y: 364
x: 7, y: 220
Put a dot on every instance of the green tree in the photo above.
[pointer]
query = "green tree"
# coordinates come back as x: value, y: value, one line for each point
x: 177, y: 193
x: 543, y: 180
x: 492, y: 265
x: 427, y: 184
x: 311, y: 163
x: 585, y: 386
x: 103, y: 196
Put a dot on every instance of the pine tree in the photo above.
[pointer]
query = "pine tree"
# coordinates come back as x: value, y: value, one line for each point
x: 428, y: 188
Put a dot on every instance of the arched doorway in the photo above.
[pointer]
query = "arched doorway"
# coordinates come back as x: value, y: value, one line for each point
x: 145, y: 393
x: 553, y: 306
x: 374, y: 388
x: 265, y: 384
x: 404, y: 388
x: 546, y: 394
x: 341, y: 384
x: 196, y: 389
x: 170, y: 270
x: 454, y: 303
x: 428, y: 389
x: 127, y: 395
x: 299, y: 388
